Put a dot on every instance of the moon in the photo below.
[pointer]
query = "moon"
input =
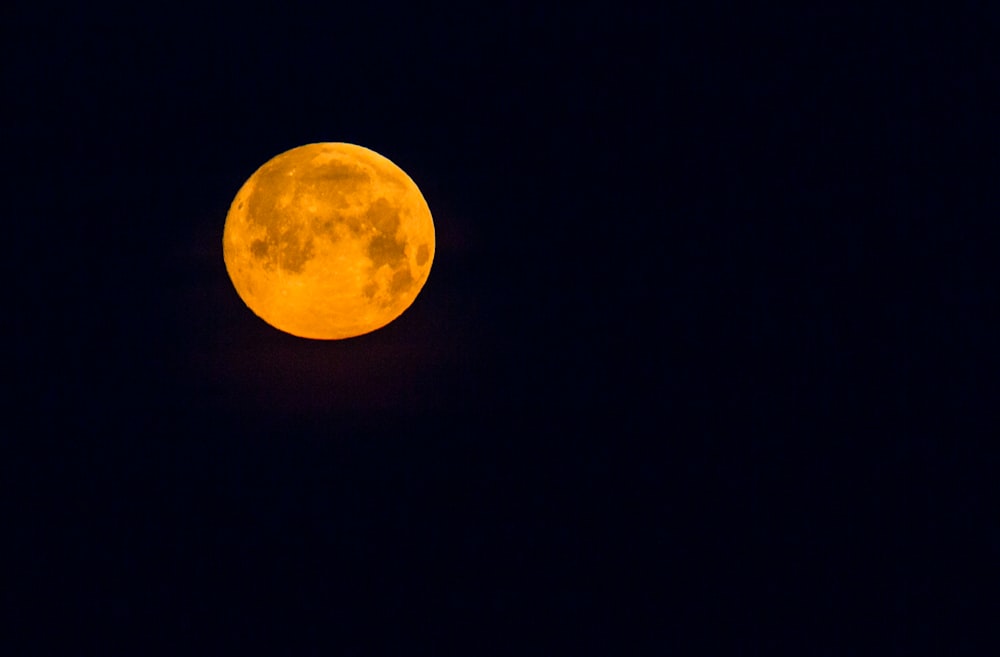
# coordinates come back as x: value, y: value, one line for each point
x: 328, y: 241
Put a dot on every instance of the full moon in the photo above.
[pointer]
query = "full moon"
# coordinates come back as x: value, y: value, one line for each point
x: 328, y: 241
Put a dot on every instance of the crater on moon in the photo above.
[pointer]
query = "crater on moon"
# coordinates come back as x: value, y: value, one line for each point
x: 329, y: 241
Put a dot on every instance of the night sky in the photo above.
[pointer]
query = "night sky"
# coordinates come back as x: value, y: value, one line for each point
x: 704, y: 363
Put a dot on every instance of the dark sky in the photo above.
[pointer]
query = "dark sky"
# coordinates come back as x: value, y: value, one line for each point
x: 703, y: 366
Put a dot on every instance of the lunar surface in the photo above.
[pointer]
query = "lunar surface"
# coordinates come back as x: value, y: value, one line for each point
x: 328, y: 241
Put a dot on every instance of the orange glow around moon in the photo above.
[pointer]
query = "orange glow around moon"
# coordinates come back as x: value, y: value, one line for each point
x: 328, y: 241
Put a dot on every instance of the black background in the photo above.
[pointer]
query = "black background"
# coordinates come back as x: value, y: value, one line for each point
x: 704, y: 364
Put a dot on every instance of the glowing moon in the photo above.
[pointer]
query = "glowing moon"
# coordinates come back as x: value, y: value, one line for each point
x: 328, y: 241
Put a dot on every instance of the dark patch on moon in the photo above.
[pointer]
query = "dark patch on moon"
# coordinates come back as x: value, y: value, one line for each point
x: 295, y: 251
x: 291, y: 252
x: 370, y: 289
x: 423, y: 253
x: 332, y: 182
x: 259, y: 249
x: 327, y: 227
x: 270, y: 185
x: 384, y: 217
x: 353, y: 223
x: 389, y: 174
x: 282, y: 246
x: 335, y: 175
x: 401, y: 281
x: 384, y: 248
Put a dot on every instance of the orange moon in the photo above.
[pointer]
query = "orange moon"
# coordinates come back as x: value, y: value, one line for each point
x: 328, y: 241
